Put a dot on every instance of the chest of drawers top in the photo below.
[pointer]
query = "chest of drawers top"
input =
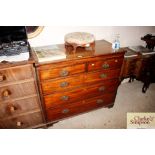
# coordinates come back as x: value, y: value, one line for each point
x: 103, y: 49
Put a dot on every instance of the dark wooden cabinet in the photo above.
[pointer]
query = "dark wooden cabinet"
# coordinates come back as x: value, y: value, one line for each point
x: 84, y: 81
x: 131, y: 65
x: 147, y: 72
x: 139, y: 65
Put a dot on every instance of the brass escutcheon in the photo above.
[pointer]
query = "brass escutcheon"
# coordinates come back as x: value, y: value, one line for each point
x: 105, y: 66
x: 103, y: 75
x: 65, y: 111
x: 64, y: 98
x: 99, y: 101
x: 102, y: 88
x: 64, y: 84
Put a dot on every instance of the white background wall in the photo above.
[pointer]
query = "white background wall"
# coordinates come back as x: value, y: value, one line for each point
x: 129, y: 35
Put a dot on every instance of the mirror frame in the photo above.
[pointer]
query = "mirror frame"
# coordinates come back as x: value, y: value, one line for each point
x: 36, y: 32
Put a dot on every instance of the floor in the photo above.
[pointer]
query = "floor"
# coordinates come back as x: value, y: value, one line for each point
x: 129, y: 99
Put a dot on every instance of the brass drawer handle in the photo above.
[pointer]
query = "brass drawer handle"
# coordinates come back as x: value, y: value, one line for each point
x: 2, y: 77
x: 99, y: 101
x: 64, y: 84
x: 101, y: 89
x: 103, y: 75
x: 6, y: 93
x: 105, y: 66
x: 64, y: 73
x: 64, y: 98
x: 65, y: 111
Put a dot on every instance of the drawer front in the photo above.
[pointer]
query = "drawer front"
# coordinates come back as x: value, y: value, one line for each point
x: 16, y: 73
x: 17, y: 90
x: 105, y: 64
x: 62, y: 84
x: 22, y: 122
x: 79, y: 107
x: 61, y: 72
x: 108, y: 86
x: 63, y: 98
x: 102, y: 75
x: 12, y: 108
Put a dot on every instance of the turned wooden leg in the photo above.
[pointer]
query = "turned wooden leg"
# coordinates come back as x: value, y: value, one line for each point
x: 145, y: 87
x: 74, y: 49
x: 131, y: 79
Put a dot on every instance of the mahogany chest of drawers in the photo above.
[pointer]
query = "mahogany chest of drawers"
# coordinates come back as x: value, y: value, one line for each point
x: 19, y: 101
x: 83, y: 81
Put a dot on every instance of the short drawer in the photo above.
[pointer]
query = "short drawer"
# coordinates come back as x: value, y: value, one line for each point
x: 61, y: 72
x: 62, y: 84
x: 16, y: 73
x: 22, y: 122
x: 105, y: 64
x: 12, y: 108
x: 17, y: 90
x: 101, y: 76
x: 80, y: 107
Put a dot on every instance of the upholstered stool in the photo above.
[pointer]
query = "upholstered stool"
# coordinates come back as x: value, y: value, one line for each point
x: 79, y: 39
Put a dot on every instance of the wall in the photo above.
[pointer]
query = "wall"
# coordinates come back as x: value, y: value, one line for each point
x: 129, y: 35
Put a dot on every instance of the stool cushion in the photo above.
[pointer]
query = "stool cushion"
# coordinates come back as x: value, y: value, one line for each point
x: 79, y: 38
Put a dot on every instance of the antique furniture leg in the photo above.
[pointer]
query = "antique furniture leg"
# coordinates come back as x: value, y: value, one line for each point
x: 146, y: 82
x: 111, y: 106
x: 131, y: 78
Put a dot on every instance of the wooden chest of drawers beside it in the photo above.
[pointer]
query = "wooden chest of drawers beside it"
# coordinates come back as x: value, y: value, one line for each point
x: 84, y: 81
x: 19, y: 101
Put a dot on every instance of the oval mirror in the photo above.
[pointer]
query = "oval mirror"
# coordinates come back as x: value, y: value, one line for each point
x: 33, y: 31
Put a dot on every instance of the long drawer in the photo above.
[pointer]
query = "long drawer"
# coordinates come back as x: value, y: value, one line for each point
x: 62, y: 84
x: 11, y: 108
x: 61, y: 72
x: 63, y: 98
x: 99, y: 76
x: 22, y: 122
x: 15, y: 74
x: 80, y: 107
x: 17, y: 90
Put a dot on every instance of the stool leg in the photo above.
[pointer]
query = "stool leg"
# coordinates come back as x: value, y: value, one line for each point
x: 93, y: 46
x: 74, y: 49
